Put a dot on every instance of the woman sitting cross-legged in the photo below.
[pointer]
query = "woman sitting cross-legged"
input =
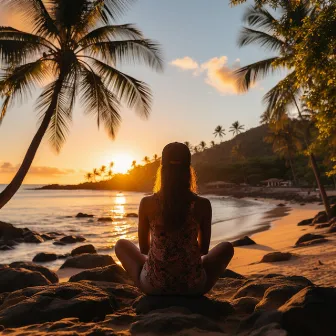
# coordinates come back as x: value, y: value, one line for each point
x: 174, y: 234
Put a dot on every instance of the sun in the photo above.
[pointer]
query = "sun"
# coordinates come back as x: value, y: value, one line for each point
x: 122, y: 163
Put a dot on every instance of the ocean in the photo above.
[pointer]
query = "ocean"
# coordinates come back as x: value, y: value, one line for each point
x: 55, y: 210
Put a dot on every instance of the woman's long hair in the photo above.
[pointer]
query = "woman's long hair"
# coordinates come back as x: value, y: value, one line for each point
x: 176, y: 186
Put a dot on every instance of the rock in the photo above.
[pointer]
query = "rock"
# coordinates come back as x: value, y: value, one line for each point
x: 272, y: 329
x: 281, y: 205
x: 231, y: 274
x: 12, y: 279
x: 276, y: 257
x: 132, y: 215
x: 197, y: 305
x: 105, y: 219
x: 310, y: 312
x: 45, y: 257
x: 33, y: 238
x: 59, y: 243
x: 72, y: 239
x: 83, y: 215
x: 321, y: 217
x: 9, y: 231
x: 302, y: 204
x: 10, y: 243
x: 244, y: 305
x: 6, y: 248
x: 83, y: 249
x: 50, y: 275
x: 276, y: 296
x: 46, y: 237
x: 313, y: 242
x: 113, y: 273
x: 307, y: 237
x: 56, y: 302
x: 170, y: 323
x: 332, y: 221
x: 306, y: 222
x: 63, y: 256
x: 88, y: 261
x: 322, y: 226
x: 332, y: 228
x: 243, y: 242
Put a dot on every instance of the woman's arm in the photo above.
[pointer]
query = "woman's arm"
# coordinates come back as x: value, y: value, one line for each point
x: 143, y: 227
x: 204, y: 234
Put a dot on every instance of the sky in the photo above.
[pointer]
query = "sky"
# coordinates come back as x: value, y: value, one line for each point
x: 195, y: 93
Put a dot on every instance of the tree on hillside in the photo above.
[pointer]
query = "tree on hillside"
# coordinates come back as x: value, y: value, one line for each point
x: 134, y: 164
x: 188, y: 144
x: 76, y: 48
x: 146, y: 160
x: 202, y: 145
x: 219, y: 132
x: 88, y: 177
x: 274, y: 34
x: 286, y: 142
x: 196, y: 149
x: 95, y: 174
x: 237, y: 152
x: 111, y: 165
x: 109, y: 174
x: 155, y: 157
x: 212, y: 143
x: 102, y: 170
x: 236, y: 128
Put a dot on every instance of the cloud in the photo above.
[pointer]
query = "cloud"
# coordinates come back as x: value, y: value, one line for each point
x: 216, y: 72
x: 8, y: 168
x: 186, y: 63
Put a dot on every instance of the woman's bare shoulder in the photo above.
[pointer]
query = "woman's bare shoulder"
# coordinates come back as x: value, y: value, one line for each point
x: 202, y: 202
x: 148, y: 201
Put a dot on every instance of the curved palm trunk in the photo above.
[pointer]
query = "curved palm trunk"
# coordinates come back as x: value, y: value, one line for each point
x: 15, y: 184
x: 293, y: 171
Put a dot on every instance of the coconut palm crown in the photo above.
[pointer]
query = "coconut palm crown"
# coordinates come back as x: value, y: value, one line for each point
x: 236, y: 128
x: 72, y: 50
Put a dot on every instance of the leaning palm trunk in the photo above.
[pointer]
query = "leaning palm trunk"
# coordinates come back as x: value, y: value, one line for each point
x: 16, y: 183
x: 293, y: 171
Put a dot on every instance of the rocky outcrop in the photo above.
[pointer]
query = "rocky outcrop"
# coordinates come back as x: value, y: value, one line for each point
x: 45, y: 257
x: 243, y: 242
x: 55, y: 302
x: 12, y: 279
x: 9, y: 231
x: 72, y: 239
x: 307, y: 237
x: 322, y: 226
x: 105, y: 219
x: 83, y: 215
x: 88, y: 261
x: 83, y: 249
x: 231, y: 274
x: 113, y: 273
x: 50, y: 275
x: 306, y: 222
x: 276, y: 257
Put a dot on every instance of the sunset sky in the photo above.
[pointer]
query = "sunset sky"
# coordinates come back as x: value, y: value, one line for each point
x: 195, y: 93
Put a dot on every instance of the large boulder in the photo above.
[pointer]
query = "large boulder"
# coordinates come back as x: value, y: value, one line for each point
x: 72, y: 239
x: 105, y: 219
x: 276, y: 257
x: 56, y: 302
x: 88, y: 261
x: 112, y: 273
x: 33, y: 238
x: 231, y: 274
x: 310, y: 312
x: 172, y: 322
x: 321, y: 217
x: 332, y: 228
x: 322, y: 226
x: 83, y: 215
x: 306, y: 222
x: 12, y: 279
x: 245, y: 305
x: 9, y: 231
x: 243, y: 242
x: 83, y: 250
x: 307, y: 237
x: 45, y: 257
x: 197, y: 305
x: 50, y: 275
x: 313, y: 242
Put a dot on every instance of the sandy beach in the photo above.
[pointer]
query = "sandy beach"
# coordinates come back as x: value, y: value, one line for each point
x: 316, y: 262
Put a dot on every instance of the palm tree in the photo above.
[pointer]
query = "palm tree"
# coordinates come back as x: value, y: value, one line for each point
x: 202, y: 145
x: 212, y: 143
x: 146, y: 160
x: 286, y: 142
x: 95, y: 173
x: 134, y: 164
x: 155, y: 157
x: 88, y: 177
x: 188, y: 144
x: 102, y: 171
x: 236, y: 128
x: 196, y: 149
x: 270, y: 32
x: 74, y: 46
x: 109, y: 174
x: 111, y: 165
x: 219, y: 131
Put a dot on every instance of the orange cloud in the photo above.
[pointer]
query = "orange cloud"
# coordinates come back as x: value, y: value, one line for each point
x: 186, y: 63
x: 217, y: 73
x: 8, y: 168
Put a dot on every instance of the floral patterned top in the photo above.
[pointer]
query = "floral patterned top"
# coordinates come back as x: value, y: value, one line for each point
x: 174, y: 264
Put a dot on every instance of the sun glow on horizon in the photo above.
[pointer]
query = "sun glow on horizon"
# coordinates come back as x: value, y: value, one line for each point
x: 122, y: 163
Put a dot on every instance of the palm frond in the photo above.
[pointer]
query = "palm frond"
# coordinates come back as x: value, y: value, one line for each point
x: 118, y: 52
x: 260, y: 17
x: 249, y: 74
x: 100, y: 101
x: 135, y: 93
x: 248, y: 36
x: 4, y: 106
x: 35, y: 12
x: 106, y: 33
